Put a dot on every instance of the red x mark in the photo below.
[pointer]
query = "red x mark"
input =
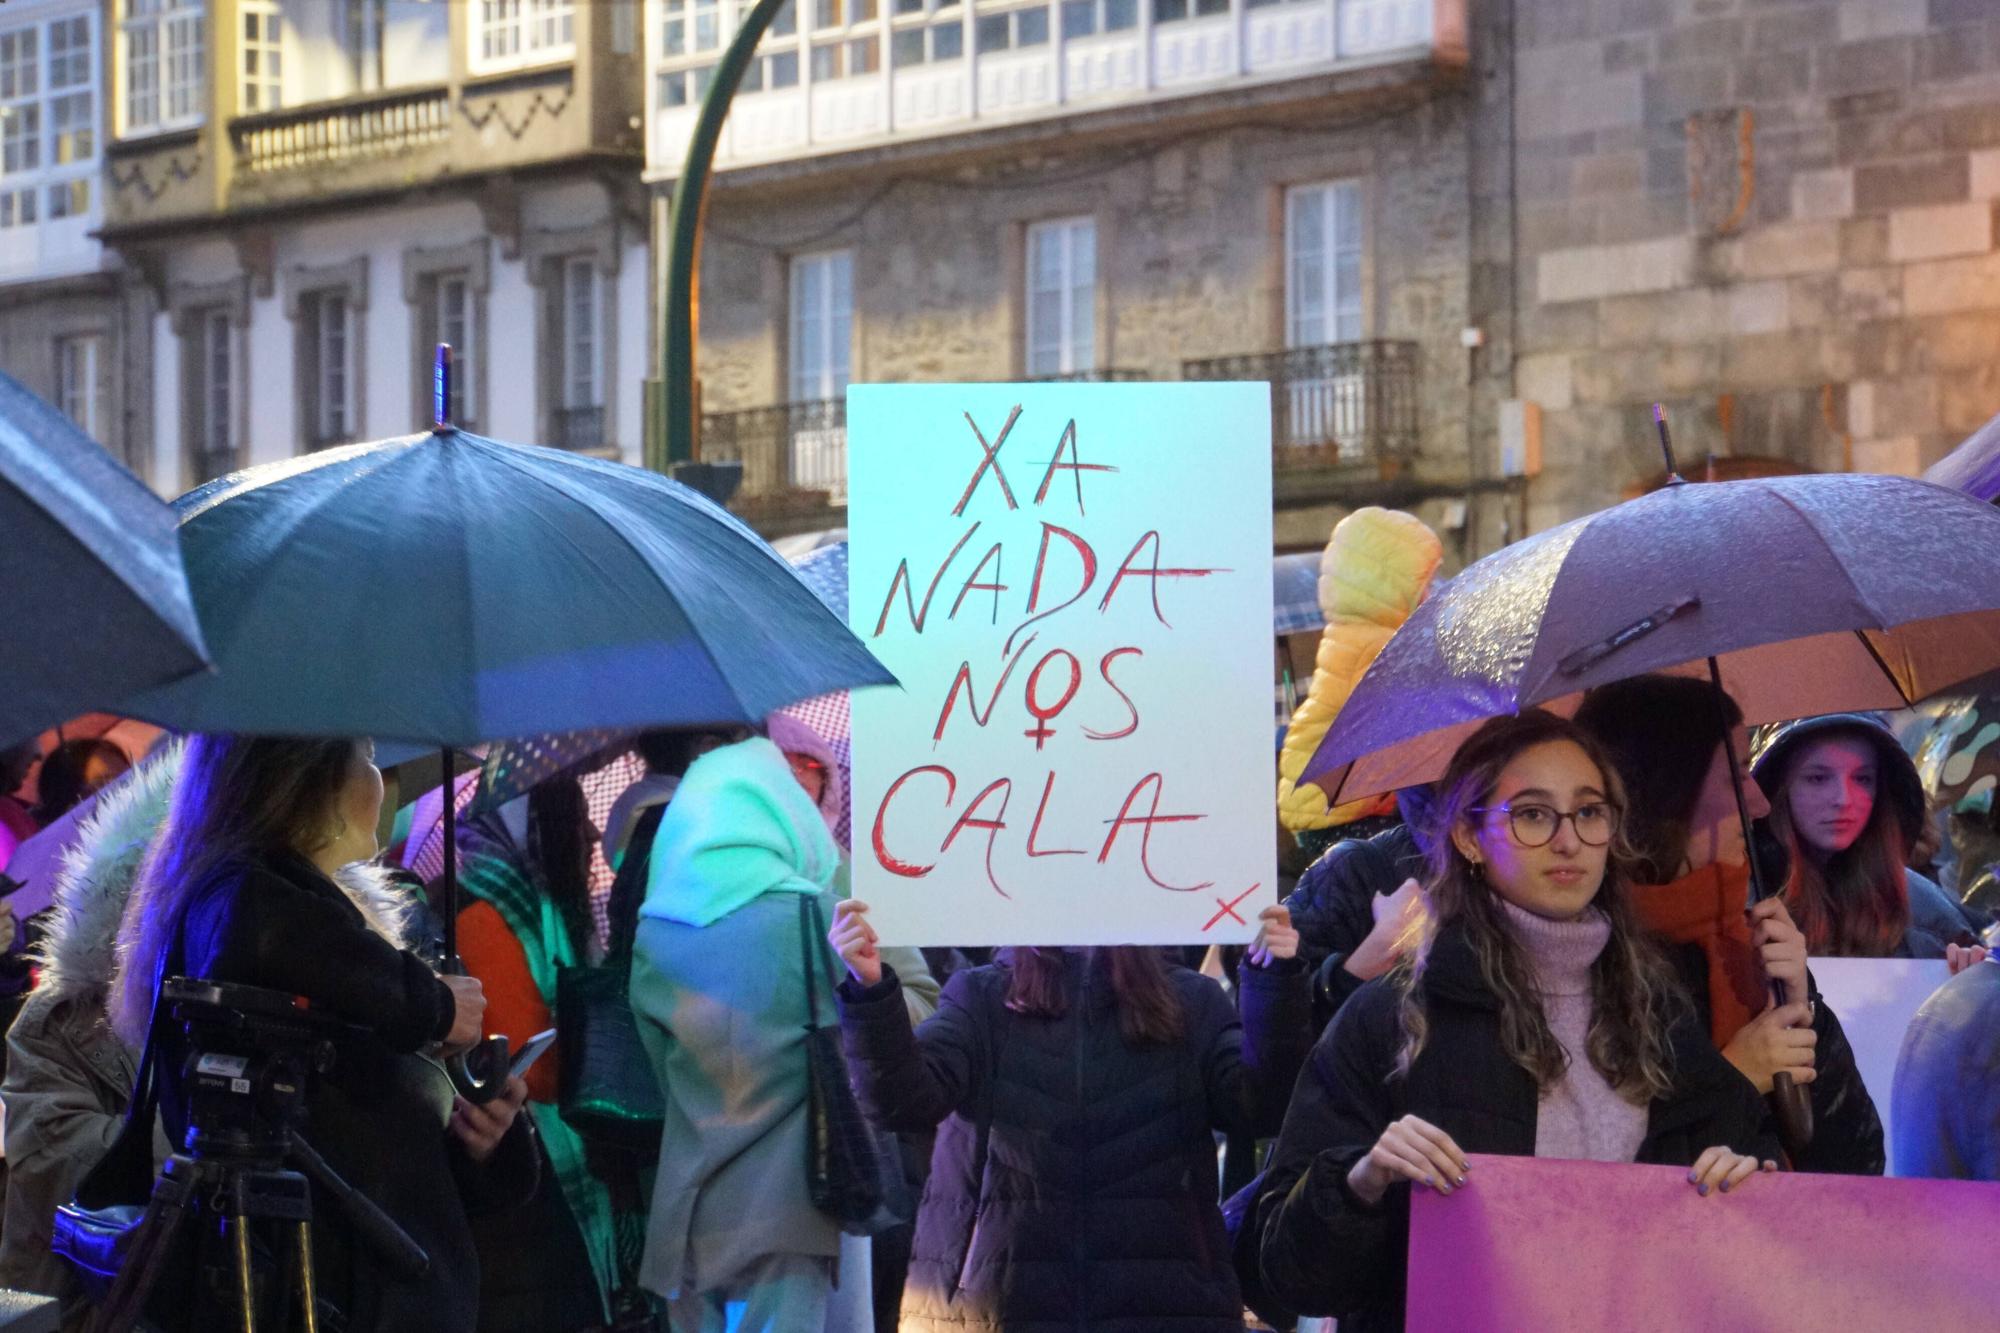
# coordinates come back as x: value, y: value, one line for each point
x: 1229, y: 908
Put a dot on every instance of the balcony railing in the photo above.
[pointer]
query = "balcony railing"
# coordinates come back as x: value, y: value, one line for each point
x: 1337, y: 405
x: 347, y: 131
x: 579, y: 428
x: 1107, y: 375
x: 793, y: 452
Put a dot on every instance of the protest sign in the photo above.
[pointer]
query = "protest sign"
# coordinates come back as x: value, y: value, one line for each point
x: 1875, y: 999
x: 1072, y: 583
x: 1579, y: 1247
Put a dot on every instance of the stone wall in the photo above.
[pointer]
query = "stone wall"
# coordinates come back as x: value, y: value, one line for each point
x: 1775, y: 215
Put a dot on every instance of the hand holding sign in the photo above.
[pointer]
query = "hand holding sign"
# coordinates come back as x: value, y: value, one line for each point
x: 854, y: 940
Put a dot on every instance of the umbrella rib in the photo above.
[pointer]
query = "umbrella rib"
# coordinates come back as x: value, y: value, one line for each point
x: 586, y: 502
x: 1833, y: 555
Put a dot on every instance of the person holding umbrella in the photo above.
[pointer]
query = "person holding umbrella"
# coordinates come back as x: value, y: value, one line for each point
x: 1534, y: 1019
x: 1692, y: 889
x: 1847, y: 803
x: 241, y: 885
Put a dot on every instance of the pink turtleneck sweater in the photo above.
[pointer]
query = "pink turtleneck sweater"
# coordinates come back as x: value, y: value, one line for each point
x: 1581, y: 1116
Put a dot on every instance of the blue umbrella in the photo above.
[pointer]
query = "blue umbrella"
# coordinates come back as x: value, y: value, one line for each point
x: 1973, y: 467
x: 447, y: 589
x: 96, y: 603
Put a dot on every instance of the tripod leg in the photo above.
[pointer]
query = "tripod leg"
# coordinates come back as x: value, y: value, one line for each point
x: 246, y: 1293
x: 308, y: 1292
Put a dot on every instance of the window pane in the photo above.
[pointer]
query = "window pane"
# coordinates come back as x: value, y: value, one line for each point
x: 994, y: 32
x: 784, y: 69
x: 1079, y: 18
x: 826, y: 62
x: 1031, y: 27
x: 947, y: 41
x: 1169, y: 11
x: 906, y: 47
x: 1120, y: 15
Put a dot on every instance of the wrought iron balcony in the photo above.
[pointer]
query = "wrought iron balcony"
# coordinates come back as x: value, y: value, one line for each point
x: 794, y: 455
x: 579, y: 428
x: 379, y: 125
x: 1340, y: 405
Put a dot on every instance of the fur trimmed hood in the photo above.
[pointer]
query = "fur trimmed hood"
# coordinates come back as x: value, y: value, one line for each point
x: 76, y: 952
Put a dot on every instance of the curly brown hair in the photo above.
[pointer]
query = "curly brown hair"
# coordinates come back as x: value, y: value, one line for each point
x: 1634, y: 999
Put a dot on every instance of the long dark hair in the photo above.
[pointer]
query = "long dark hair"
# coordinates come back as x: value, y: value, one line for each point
x: 1633, y: 998
x: 65, y: 776
x: 1662, y: 732
x: 237, y: 797
x: 1856, y: 903
x: 1148, y: 1009
x: 559, y: 853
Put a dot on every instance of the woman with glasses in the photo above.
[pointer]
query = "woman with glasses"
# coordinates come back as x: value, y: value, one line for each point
x: 1691, y: 887
x: 1533, y: 1018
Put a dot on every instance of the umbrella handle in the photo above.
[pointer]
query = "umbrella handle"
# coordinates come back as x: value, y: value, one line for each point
x: 1791, y: 1105
x: 480, y: 1075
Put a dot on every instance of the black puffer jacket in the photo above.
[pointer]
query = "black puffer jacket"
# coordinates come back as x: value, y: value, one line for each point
x: 1324, y: 1251
x: 1073, y: 1186
x: 1847, y: 1130
x: 380, y: 1118
x: 1332, y: 907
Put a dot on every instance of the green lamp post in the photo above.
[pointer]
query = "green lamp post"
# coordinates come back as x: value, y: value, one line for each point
x: 672, y: 437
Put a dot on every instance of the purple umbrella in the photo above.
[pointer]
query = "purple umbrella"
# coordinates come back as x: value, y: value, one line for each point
x: 1815, y: 594
x: 1973, y: 467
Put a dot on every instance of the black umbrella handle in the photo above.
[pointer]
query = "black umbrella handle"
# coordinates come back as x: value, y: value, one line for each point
x: 480, y: 1074
x: 1791, y: 1105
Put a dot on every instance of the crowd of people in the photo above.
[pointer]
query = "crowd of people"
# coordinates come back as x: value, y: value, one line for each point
x: 1550, y: 952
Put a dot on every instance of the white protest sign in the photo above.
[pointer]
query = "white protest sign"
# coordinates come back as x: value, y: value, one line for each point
x: 1875, y: 999
x: 1073, y: 584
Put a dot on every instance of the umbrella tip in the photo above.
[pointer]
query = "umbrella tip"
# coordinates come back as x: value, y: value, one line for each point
x: 441, y: 390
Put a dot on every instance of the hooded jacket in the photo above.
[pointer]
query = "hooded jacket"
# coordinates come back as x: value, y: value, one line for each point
x: 69, y: 1077
x: 1935, y: 920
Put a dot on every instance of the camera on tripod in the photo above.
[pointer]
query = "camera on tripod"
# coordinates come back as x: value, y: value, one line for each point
x: 252, y: 1055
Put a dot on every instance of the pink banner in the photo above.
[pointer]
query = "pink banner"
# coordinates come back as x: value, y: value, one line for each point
x: 1555, y: 1246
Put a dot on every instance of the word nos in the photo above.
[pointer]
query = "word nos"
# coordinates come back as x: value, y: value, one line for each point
x: 1052, y: 683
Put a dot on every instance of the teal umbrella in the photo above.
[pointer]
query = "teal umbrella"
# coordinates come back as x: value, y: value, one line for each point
x: 96, y: 602
x: 446, y: 589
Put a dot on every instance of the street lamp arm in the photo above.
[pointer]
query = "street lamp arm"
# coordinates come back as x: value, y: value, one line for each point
x: 674, y: 440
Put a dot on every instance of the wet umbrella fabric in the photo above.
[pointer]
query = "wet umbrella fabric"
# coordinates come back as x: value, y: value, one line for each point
x: 96, y: 601
x: 1973, y: 467
x: 448, y: 589
x: 1817, y: 594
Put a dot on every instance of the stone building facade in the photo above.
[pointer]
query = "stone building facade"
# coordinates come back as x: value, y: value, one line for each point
x: 1775, y: 215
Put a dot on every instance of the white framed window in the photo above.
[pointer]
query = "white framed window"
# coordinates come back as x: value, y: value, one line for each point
x: 582, y: 351
x: 521, y: 32
x: 327, y: 335
x: 453, y: 312
x: 48, y: 120
x: 210, y: 413
x: 1323, y: 246
x: 1062, y: 296
x: 163, y: 45
x: 80, y: 386
x: 1173, y: 11
x: 1087, y: 18
x: 263, y: 87
x: 1014, y: 30
x: 940, y: 42
x: 822, y: 325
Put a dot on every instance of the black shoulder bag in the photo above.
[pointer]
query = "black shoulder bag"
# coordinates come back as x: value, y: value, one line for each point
x: 605, y: 1081
x: 854, y: 1171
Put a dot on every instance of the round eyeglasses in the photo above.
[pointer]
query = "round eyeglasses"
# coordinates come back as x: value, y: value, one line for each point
x: 1534, y: 824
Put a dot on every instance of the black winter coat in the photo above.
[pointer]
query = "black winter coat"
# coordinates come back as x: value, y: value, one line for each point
x: 1073, y: 1186
x: 1847, y: 1131
x: 380, y: 1117
x: 1324, y: 1251
x: 1333, y: 907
